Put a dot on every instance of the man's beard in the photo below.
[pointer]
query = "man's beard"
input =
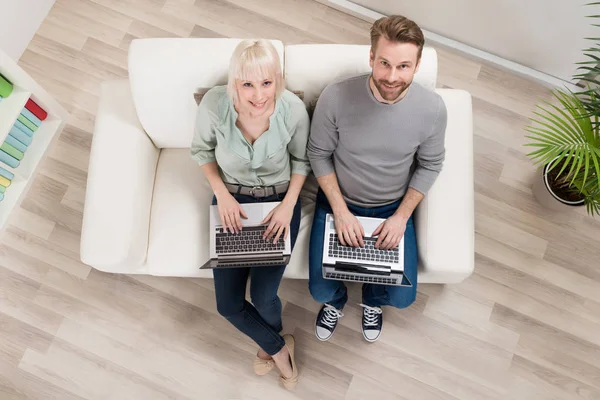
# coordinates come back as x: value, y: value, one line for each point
x: 393, y: 95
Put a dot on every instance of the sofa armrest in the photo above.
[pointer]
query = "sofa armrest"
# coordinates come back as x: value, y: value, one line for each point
x: 120, y: 183
x: 444, y: 221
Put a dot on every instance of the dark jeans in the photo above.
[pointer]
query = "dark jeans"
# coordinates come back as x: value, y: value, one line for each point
x: 261, y: 320
x: 334, y: 292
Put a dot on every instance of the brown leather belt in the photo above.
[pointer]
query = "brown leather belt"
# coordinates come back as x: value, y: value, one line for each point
x: 258, y: 192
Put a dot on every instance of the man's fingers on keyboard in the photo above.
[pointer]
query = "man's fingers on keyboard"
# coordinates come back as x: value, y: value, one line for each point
x: 356, y: 238
x: 381, y: 238
x: 356, y: 235
x: 360, y: 235
x: 378, y: 230
x: 341, y: 237
x: 348, y: 238
x: 389, y: 241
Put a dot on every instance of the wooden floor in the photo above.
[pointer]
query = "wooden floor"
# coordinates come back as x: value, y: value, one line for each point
x: 526, y: 325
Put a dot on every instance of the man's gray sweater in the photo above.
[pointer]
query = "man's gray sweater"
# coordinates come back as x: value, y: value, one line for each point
x: 371, y: 146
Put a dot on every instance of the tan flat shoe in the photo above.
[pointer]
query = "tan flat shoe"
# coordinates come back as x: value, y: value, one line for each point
x: 290, y: 383
x: 263, y: 367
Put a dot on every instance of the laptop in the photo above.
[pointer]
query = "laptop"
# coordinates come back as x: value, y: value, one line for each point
x: 366, y: 264
x: 246, y: 248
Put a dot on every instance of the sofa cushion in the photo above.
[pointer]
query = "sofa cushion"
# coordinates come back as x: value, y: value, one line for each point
x: 337, y: 61
x: 165, y: 72
x: 178, y: 238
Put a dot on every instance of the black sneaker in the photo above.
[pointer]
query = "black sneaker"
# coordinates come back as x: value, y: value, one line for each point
x: 327, y: 321
x: 372, y: 322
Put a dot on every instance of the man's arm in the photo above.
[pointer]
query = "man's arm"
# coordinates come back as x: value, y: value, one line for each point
x: 322, y: 143
x: 430, y: 157
x: 409, y: 203
x: 431, y: 153
x: 347, y: 226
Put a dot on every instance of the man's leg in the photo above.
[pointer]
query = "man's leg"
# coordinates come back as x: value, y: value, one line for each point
x: 375, y: 296
x: 398, y: 296
x: 322, y: 290
x: 332, y: 294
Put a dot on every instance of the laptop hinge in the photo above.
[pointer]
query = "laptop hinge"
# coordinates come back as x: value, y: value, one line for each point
x: 250, y: 257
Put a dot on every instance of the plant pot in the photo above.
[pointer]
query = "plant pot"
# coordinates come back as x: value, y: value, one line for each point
x: 543, y: 193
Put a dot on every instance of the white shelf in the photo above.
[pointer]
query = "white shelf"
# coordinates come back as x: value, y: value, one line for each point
x: 12, y: 197
x: 10, y: 109
x: 36, y: 150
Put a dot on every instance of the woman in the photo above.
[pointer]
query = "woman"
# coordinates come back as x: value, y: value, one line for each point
x: 253, y: 133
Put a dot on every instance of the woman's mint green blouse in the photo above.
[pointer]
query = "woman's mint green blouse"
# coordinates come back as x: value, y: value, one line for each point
x: 274, y: 156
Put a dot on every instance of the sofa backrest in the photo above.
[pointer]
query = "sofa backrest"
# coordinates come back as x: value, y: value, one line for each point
x: 311, y: 67
x: 164, y: 75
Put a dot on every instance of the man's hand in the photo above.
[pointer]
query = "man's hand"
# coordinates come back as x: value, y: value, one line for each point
x: 349, y: 229
x: 390, y: 232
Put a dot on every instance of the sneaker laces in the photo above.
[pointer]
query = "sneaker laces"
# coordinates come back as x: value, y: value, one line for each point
x: 331, y: 316
x: 371, y: 315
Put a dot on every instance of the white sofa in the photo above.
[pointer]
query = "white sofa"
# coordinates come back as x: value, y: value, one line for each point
x: 146, y: 207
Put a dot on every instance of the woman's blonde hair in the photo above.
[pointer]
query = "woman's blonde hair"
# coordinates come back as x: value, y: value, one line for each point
x: 254, y: 59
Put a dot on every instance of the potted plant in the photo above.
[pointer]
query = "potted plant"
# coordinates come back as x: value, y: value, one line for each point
x: 567, y: 142
x: 566, y: 136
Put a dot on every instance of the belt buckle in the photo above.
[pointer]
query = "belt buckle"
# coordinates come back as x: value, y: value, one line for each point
x: 262, y: 192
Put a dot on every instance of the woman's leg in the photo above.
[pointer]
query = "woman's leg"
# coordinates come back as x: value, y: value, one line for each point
x: 230, y: 290
x: 265, y: 281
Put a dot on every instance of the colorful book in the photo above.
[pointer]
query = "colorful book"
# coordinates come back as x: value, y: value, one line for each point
x: 12, y: 151
x: 1, y: 196
x: 27, y: 123
x: 7, y: 174
x: 8, y: 159
x: 30, y: 117
x: 23, y: 128
x: 2, y: 189
x: 6, y: 87
x: 19, y: 135
x: 4, y: 182
x: 36, y: 110
x: 15, y: 143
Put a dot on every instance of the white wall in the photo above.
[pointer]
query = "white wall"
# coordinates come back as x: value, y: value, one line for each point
x: 19, y: 20
x: 546, y: 35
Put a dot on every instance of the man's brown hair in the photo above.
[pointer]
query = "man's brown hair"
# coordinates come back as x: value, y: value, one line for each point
x: 397, y: 28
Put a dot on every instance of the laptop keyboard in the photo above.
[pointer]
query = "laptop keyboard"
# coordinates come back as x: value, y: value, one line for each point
x: 250, y: 239
x: 358, y: 278
x: 367, y: 253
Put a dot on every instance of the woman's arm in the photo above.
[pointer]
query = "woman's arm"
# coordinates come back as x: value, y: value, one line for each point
x: 296, y: 183
x: 211, y: 171
x: 203, y: 151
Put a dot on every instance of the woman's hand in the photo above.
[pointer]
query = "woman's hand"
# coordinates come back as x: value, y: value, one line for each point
x: 279, y: 221
x: 230, y: 211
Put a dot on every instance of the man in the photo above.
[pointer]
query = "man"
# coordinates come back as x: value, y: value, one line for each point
x: 366, y: 133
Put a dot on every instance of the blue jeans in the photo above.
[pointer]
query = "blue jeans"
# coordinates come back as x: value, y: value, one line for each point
x: 261, y: 320
x: 334, y: 292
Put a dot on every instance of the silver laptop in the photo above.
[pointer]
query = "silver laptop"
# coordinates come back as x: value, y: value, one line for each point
x: 362, y: 264
x: 246, y: 248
